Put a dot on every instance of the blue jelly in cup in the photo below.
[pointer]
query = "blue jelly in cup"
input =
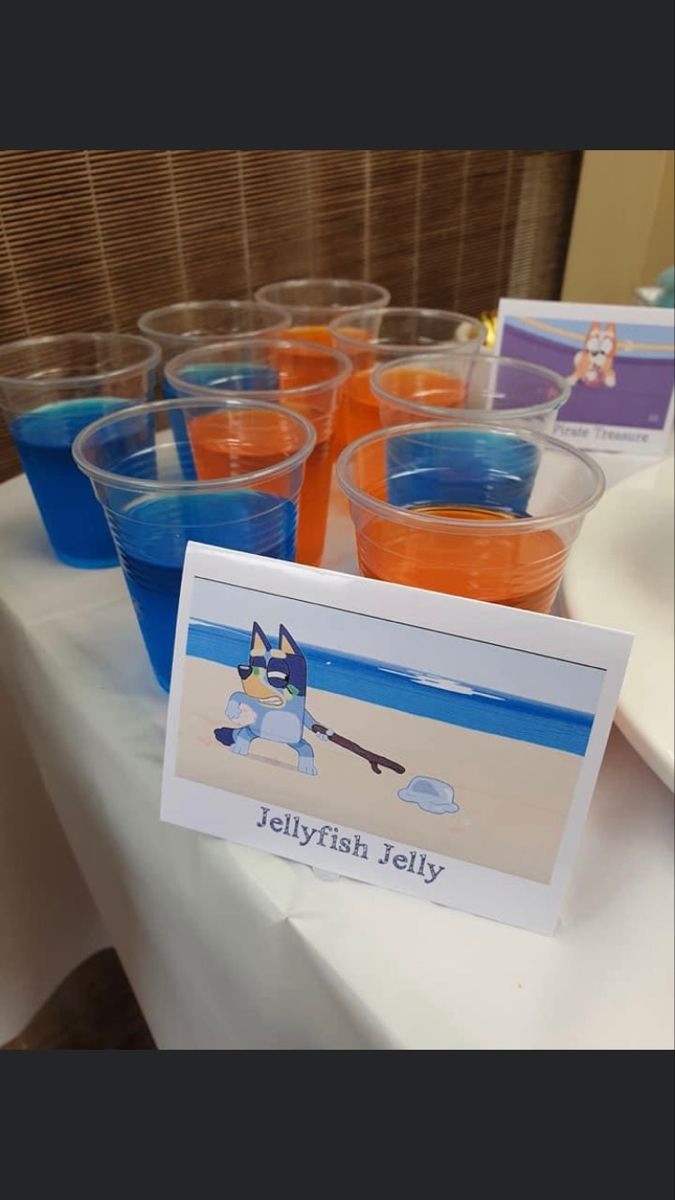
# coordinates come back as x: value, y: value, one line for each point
x: 465, y: 468
x: 135, y: 463
x: 471, y: 466
x: 235, y: 377
x: 75, y: 523
x: 179, y: 327
x: 51, y: 388
x: 152, y: 555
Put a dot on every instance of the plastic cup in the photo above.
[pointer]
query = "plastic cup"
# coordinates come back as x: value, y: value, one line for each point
x: 50, y: 389
x: 177, y: 327
x: 254, y: 458
x: 471, y: 510
x: 384, y: 335
x: 314, y: 304
x: 486, y: 388
x: 277, y: 370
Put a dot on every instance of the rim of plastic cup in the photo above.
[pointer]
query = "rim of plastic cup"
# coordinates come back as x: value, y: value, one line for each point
x: 419, y: 520
x: 132, y: 482
x: 150, y: 358
x: 414, y: 348
x: 436, y: 358
x: 384, y: 293
x: 199, y: 389
x: 157, y: 314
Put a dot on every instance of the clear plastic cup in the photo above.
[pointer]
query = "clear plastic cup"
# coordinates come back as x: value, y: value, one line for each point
x: 381, y: 335
x: 467, y: 509
x: 177, y: 327
x: 313, y: 305
x: 481, y: 387
x: 302, y: 377
x: 50, y: 389
x: 253, y: 456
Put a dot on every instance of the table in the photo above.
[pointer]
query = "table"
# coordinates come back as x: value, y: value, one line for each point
x: 227, y: 947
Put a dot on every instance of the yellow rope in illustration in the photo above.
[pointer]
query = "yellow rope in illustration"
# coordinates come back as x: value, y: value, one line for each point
x: 547, y: 327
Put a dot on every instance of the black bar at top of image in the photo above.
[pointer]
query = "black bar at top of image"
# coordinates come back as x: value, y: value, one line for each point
x: 495, y: 76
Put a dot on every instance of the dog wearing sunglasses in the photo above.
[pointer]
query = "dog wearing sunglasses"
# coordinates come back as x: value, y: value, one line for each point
x: 272, y: 703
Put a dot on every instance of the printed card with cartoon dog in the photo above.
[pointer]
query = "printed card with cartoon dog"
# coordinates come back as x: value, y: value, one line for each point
x: 618, y: 362
x: 434, y: 745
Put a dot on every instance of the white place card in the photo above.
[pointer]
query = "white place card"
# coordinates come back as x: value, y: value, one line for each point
x: 438, y: 746
x: 619, y: 363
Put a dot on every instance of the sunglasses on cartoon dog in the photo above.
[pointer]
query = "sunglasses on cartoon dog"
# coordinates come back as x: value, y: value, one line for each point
x: 276, y: 674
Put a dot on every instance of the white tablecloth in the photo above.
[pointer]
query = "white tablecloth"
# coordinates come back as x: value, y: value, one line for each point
x: 232, y: 948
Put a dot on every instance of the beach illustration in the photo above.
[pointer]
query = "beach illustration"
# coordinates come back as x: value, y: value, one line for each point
x: 322, y: 727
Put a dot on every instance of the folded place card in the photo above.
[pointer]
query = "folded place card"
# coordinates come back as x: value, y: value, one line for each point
x: 439, y: 746
x: 617, y: 359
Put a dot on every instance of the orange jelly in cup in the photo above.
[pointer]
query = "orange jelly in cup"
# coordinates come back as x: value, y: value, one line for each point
x: 314, y: 500
x: 468, y: 509
x: 210, y: 434
x: 319, y: 334
x: 238, y: 444
x: 305, y: 367
x: 362, y: 406
x: 295, y: 375
x: 522, y: 570
x: 314, y: 304
x: 381, y: 337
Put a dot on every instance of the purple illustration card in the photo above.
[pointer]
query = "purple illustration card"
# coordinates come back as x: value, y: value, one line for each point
x: 617, y: 360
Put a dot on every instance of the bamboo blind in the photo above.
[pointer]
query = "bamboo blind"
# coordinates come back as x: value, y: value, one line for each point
x: 90, y: 239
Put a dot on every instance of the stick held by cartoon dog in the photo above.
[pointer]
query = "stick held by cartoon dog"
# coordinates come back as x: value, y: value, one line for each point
x: 273, y: 705
x: 376, y: 760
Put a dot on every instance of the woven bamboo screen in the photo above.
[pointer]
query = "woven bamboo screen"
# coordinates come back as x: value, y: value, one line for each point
x: 90, y: 239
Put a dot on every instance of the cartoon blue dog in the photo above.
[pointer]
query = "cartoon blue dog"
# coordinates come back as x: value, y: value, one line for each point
x: 272, y: 704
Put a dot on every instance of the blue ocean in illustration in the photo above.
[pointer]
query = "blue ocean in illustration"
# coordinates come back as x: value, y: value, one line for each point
x: 398, y: 687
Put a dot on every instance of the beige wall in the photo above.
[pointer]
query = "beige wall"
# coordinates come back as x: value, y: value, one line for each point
x: 622, y: 234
